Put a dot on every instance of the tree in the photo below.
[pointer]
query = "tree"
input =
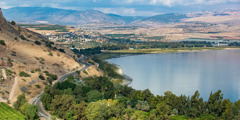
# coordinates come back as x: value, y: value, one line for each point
x: 236, y: 108
x: 161, y: 112
x: 65, y: 85
x: 196, y: 105
x: 80, y: 111
x: 69, y: 115
x: 97, y: 110
x: 228, y: 112
x: 23, y: 108
x: 13, y: 23
x: 142, y: 105
x: 32, y: 112
x: 139, y: 115
x: 21, y: 100
x: 46, y: 100
x: 62, y: 103
x: 93, y: 96
x: 214, y: 103
x: 103, y: 110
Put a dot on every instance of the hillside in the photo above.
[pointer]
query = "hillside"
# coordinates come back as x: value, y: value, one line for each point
x: 61, y: 16
x: 25, y: 56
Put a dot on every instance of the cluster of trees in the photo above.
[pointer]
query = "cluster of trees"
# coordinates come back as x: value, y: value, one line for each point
x: 114, y: 47
x: 99, y: 98
x: 50, y: 77
x: 109, y: 69
x: 88, y: 51
x: 126, y: 43
x: 30, y: 111
x: 121, y: 44
x: 234, y: 44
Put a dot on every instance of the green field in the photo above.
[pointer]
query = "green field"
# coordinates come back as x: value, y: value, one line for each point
x: 8, y: 113
x: 57, y: 28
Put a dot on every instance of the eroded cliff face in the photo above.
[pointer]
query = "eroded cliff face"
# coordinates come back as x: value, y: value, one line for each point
x: 7, y: 28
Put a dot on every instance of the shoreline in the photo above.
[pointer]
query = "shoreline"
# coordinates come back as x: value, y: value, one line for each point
x: 173, y: 50
x: 127, y: 80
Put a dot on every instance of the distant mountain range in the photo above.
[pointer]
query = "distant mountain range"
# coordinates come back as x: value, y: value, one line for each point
x: 73, y: 17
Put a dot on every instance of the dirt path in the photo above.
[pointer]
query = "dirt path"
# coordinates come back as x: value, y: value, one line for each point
x: 13, y: 91
x: 4, y: 74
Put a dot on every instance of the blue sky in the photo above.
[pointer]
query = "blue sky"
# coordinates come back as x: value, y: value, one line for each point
x: 129, y: 7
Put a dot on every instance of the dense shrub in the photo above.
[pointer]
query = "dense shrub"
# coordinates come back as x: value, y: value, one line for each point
x: 22, y: 37
x: 41, y: 77
x: 37, y: 43
x: 2, y: 42
x: 23, y: 74
x: 61, y: 50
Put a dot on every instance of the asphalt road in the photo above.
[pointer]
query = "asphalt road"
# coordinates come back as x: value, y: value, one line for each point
x: 36, y: 100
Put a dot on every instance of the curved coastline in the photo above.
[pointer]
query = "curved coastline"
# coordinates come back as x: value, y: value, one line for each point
x: 127, y: 80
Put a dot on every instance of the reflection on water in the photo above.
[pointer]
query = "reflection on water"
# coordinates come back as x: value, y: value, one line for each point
x: 184, y: 73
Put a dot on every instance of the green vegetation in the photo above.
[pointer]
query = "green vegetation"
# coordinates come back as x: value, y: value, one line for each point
x: 88, y: 51
x: 61, y: 50
x: 9, y: 62
x: 51, y: 27
x: 85, y: 72
x: 23, y: 74
x: 37, y: 86
x: 99, y: 98
x: 109, y: 69
x: 50, y: 53
x: 37, y: 43
x: 13, y: 23
x: 50, y: 77
x: 2, y: 42
x: 49, y: 44
x: 57, y: 28
x: 30, y: 111
x: 8, y: 113
x: 23, y: 37
x: 41, y: 77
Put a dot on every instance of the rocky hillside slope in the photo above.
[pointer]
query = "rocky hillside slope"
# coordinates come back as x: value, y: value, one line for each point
x: 24, y: 56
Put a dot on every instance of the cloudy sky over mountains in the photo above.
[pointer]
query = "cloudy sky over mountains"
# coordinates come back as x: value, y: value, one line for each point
x: 129, y: 7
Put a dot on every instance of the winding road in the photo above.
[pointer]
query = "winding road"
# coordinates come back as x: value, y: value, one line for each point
x: 36, y: 100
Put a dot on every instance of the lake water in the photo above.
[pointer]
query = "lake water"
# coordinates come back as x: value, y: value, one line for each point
x: 186, y: 72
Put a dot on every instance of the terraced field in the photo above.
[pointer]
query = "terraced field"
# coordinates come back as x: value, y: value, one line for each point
x: 8, y: 113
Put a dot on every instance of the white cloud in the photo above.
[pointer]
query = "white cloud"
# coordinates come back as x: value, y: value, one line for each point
x: 4, y: 5
x: 174, y: 2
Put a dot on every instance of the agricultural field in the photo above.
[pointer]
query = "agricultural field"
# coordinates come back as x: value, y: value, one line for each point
x: 44, y: 29
x: 8, y: 113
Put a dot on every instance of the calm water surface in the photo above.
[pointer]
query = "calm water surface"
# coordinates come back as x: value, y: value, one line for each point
x: 184, y: 73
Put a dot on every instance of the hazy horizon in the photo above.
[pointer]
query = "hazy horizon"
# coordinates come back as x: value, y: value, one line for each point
x: 129, y: 7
